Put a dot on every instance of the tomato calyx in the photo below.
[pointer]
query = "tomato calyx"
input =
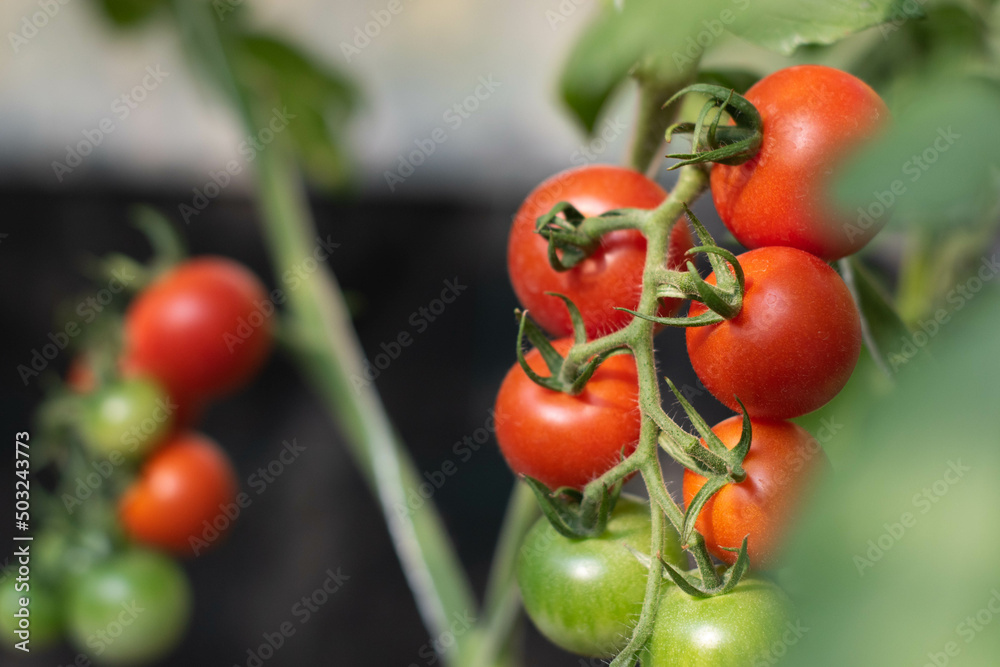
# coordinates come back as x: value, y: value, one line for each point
x: 729, y: 144
x: 724, y: 299
x: 573, y: 237
x: 577, y: 514
x: 558, y: 380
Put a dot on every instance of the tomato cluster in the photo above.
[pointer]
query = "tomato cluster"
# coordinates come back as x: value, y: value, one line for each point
x: 781, y: 343
x: 197, y: 331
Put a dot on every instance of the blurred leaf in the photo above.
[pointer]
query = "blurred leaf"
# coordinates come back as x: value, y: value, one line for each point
x: 900, y: 550
x: 318, y: 99
x: 949, y: 38
x: 784, y: 25
x: 937, y: 165
x: 883, y: 326
x: 127, y: 13
x: 617, y: 40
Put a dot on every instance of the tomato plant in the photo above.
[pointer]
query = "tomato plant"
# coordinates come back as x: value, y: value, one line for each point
x: 202, y: 329
x: 792, y: 346
x: 611, y: 276
x: 130, y: 417
x: 813, y: 116
x: 782, y: 463
x: 131, y: 608
x: 561, y: 578
x: 184, y: 491
x: 564, y: 440
x: 746, y: 626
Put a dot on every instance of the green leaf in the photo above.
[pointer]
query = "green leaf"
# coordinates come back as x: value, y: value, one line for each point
x: 907, y: 530
x: 319, y: 99
x: 784, y: 25
x: 127, y: 13
x: 647, y: 31
x: 936, y: 166
x: 884, y: 330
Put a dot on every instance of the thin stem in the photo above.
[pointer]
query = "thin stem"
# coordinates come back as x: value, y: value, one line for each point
x: 502, y: 601
x: 330, y: 354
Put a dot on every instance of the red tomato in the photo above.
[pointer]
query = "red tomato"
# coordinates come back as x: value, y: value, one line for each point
x: 202, y: 329
x: 813, y: 118
x: 792, y: 347
x: 80, y: 376
x: 783, y: 459
x: 612, y: 276
x: 564, y: 440
x: 181, y: 498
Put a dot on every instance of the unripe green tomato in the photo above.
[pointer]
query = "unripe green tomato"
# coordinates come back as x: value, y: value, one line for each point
x: 130, y: 417
x: 750, y: 625
x: 130, y: 609
x: 585, y: 595
x: 44, y: 621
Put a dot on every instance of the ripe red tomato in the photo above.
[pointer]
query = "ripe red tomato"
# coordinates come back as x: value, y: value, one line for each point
x: 564, y: 440
x: 181, y: 498
x: 813, y: 117
x: 612, y: 276
x: 792, y: 347
x: 783, y: 459
x: 202, y: 329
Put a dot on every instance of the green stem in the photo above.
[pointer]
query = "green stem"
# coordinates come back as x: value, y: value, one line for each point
x: 330, y: 355
x: 502, y: 602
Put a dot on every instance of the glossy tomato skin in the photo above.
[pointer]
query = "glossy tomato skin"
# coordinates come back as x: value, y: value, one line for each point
x: 612, y: 276
x: 129, y: 609
x: 783, y: 462
x: 130, y: 417
x: 564, y: 440
x: 46, y: 614
x: 202, y: 329
x: 585, y: 595
x: 793, y: 345
x: 813, y: 117
x: 179, y: 501
x: 742, y: 627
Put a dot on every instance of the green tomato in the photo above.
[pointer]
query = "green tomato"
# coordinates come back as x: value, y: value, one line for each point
x: 585, y: 595
x: 131, y: 608
x: 130, y: 417
x: 44, y: 622
x: 750, y: 625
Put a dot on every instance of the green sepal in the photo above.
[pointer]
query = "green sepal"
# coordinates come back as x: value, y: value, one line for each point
x: 693, y: 585
x: 700, y: 321
x: 579, y: 328
x: 572, y: 513
x: 712, y: 486
x: 679, y: 454
x: 700, y: 425
x: 544, y: 347
x: 729, y: 146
